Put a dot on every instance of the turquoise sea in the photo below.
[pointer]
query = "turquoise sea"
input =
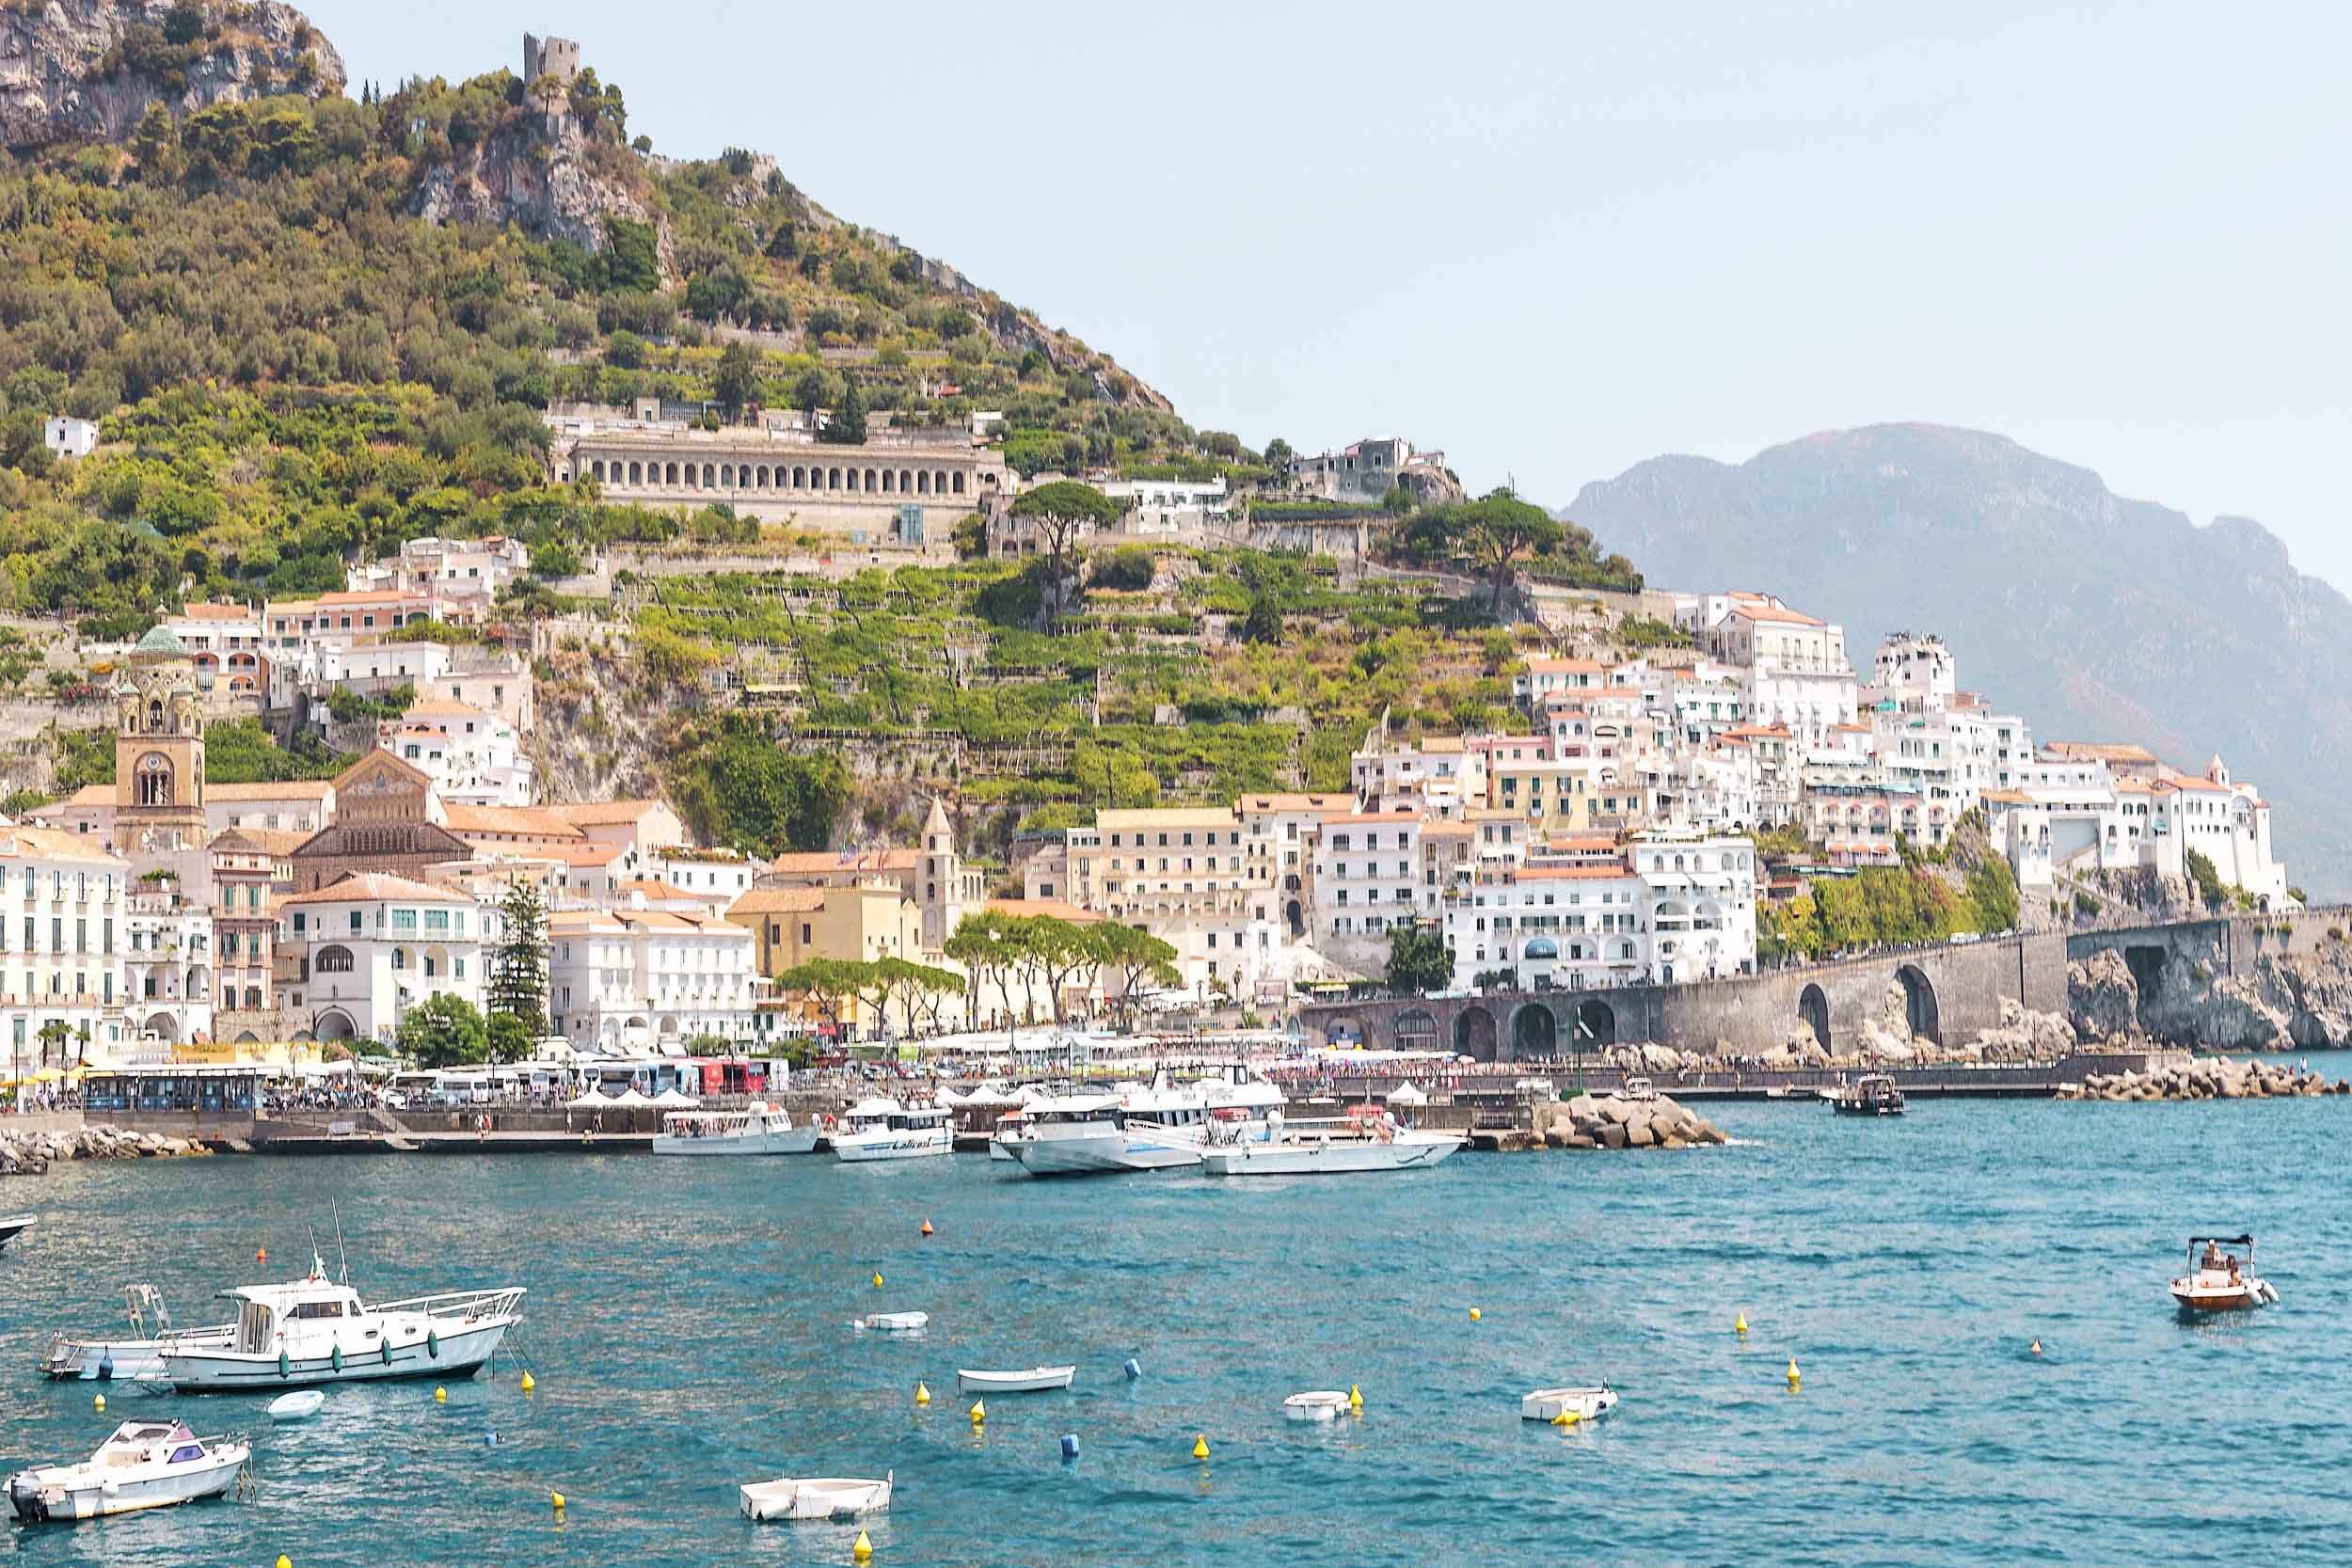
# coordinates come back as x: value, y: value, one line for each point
x: 689, y: 1332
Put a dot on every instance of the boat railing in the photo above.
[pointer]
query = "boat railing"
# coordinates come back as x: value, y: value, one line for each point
x: 465, y: 1304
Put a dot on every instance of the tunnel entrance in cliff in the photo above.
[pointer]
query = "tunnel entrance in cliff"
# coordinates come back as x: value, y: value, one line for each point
x: 1596, y: 1022
x: 1919, y: 1009
x: 1813, y: 1007
x: 2149, y: 965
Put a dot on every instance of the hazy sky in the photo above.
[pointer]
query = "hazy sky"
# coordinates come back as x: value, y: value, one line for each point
x: 1557, y: 239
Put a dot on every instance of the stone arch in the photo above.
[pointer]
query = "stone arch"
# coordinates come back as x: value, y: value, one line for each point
x: 1474, y: 1034
x: 1415, y: 1029
x: 905, y: 482
x: 1294, y: 915
x: 959, y: 481
x: 832, y: 479
x: 332, y: 960
x: 922, y: 483
x: 335, y: 1024
x: 890, y: 481
x: 637, y: 473
x: 1343, y: 1027
x: 1919, y: 1009
x: 1813, y: 1008
x: 1596, y: 1023
x: 708, y: 476
x: 1534, y: 1032
x: 726, y: 476
x: 162, y: 1026
x: 873, y: 482
x: 799, y: 478
x: 671, y: 471
x: 939, y: 483
x: 759, y: 477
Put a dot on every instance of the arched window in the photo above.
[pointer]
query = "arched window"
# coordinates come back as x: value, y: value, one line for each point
x: 155, y: 716
x: 800, y: 479
x: 923, y: 483
x: 637, y: 473
x: 890, y: 481
x: 154, y: 780
x: 333, y: 960
x: 959, y: 480
x: 400, y: 958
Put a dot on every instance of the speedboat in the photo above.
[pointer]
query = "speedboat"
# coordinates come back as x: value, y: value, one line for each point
x: 140, y: 1355
x: 1035, y: 1380
x: 1316, y: 1404
x: 318, y: 1330
x: 13, y: 1225
x: 2219, y: 1280
x: 1161, y: 1127
x: 1011, y: 1127
x: 1583, y: 1404
x: 759, y: 1128
x: 887, y: 1129
x: 890, y: 1322
x: 1352, y: 1146
x: 1873, y: 1094
x: 143, y: 1465
x: 818, y: 1497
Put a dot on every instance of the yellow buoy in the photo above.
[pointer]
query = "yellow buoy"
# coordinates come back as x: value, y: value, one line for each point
x: 922, y: 1394
x: 1739, y: 1324
x: 1355, y: 1396
x: 284, y: 1562
x: 529, y: 1383
x: 1792, y: 1371
x: 878, y: 1282
x: 97, y: 1402
x: 440, y: 1395
x: 1566, y: 1418
x: 557, y: 1499
x: 1201, y: 1447
x: 1474, y: 1314
x: 979, y: 1412
x: 864, y: 1550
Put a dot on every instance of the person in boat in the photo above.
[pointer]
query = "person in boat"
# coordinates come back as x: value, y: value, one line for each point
x: 2213, y: 1256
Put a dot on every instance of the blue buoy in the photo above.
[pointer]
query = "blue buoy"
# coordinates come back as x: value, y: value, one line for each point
x: 1070, y: 1444
x: 106, y: 1367
x: 489, y: 1439
x: 1134, y: 1368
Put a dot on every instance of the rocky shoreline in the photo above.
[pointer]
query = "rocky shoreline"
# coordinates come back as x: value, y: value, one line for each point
x: 2205, y: 1078
x: 1612, y: 1121
x: 30, y: 1153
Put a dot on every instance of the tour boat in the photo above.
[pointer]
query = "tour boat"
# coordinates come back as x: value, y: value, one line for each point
x: 300, y: 1406
x: 760, y: 1128
x: 818, y: 1497
x: 890, y: 1322
x: 1349, y: 1147
x: 1011, y: 1127
x: 1316, y: 1404
x: 140, y: 1355
x: 143, y: 1465
x: 317, y: 1330
x: 2219, y: 1281
x: 1035, y: 1380
x: 1873, y: 1094
x: 1584, y: 1403
x: 1163, y: 1126
x: 887, y: 1129
x: 13, y: 1225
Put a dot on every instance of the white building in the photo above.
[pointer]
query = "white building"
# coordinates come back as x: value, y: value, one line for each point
x: 1794, y: 665
x: 168, y: 972
x: 70, y: 437
x: 473, y: 756
x: 1158, y: 507
x: 1914, y: 672
x: 62, y: 898
x: 1666, y: 908
x: 373, y: 947
x: 643, y: 978
x: 2074, y: 817
x: 465, y: 576
x: 1369, y: 879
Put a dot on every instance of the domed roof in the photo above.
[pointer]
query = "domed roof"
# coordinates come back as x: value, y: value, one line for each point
x: 160, y: 640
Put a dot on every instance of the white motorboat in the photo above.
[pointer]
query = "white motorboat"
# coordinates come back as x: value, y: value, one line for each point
x: 759, y: 1128
x: 1583, y: 1404
x: 2220, y: 1280
x: 318, y: 1330
x: 143, y: 1465
x: 300, y: 1406
x: 1351, y: 1147
x: 1316, y: 1404
x: 818, y: 1497
x: 1011, y: 1127
x: 890, y: 1322
x: 887, y: 1129
x: 1164, y: 1126
x: 1036, y: 1380
x: 13, y: 1225
x: 140, y: 1355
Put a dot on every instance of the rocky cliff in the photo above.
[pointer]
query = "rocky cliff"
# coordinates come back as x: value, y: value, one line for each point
x: 2095, y: 616
x: 79, y: 70
x: 2289, y: 1001
x: 546, y: 172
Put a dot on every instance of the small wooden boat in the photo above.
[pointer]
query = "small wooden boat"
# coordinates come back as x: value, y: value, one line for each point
x: 1316, y: 1404
x: 1584, y: 1403
x: 2220, y: 1280
x: 1035, y: 1380
x: 890, y: 1322
x: 141, y: 1465
x: 300, y: 1406
x: 13, y: 1225
x: 818, y: 1497
x: 1873, y: 1094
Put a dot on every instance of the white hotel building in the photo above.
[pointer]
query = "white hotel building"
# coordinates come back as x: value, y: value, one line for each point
x: 61, y: 903
x: 373, y: 947
x: 1665, y: 909
x: 648, y: 979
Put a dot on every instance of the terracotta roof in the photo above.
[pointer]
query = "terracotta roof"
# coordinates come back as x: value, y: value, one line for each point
x: 574, y: 854
x: 444, y: 708
x: 600, y: 812
x: 811, y: 863
x: 205, y: 611
x: 1562, y: 666
x: 537, y: 822
x: 363, y: 885
x: 291, y: 789
x: 1344, y: 817
x: 1296, y: 802
x: 1448, y: 829
x: 1569, y: 873
x: 2101, y: 751
x: 2008, y: 796
x: 780, y: 900
x: 652, y: 889
x: 274, y: 841
x: 54, y: 844
x: 1750, y: 610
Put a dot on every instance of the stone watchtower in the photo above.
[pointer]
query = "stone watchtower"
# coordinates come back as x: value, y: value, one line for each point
x: 556, y: 58
x: 159, y: 753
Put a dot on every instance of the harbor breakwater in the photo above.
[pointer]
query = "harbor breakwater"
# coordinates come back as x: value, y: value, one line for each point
x: 1615, y: 1121
x: 29, y: 1153
x: 2205, y: 1078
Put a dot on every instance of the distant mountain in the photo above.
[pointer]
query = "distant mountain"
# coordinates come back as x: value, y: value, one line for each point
x: 2095, y: 617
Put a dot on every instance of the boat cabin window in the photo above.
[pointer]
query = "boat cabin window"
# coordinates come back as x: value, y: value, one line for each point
x: 186, y: 1451
x: 318, y: 1309
x: 253, y: 1323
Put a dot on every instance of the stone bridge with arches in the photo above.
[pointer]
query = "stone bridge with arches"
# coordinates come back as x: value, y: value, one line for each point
x: 1950, y: 992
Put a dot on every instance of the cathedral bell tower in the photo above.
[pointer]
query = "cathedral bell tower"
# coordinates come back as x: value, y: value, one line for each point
x: 159, y: 756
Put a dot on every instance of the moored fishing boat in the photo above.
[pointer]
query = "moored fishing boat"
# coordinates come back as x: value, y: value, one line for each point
x: 1316, y: 1404
x: 1034, y: 1380
x: 814, y: 1497
x: 13, y: 1225
x: 1873, y: 1094
x: 142, y: 1465
x: 2219, y: 1280
x: 887, y: 1129
x: 1586, y: 1402
x: 759, y: 1128
x: 1349, y: 1146
x: 317, y: 1330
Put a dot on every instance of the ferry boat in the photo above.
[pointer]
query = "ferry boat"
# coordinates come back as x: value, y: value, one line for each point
x: 1354, y: 1146
x: 141, y: 1465
x: 2219, y: 1280
x: 760, y: 1128
x: 1164, y: 1125
x: 140, y: 1354
x: 1873, y: 1094
x: 887, y: 1129
x: 318, y: 1330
